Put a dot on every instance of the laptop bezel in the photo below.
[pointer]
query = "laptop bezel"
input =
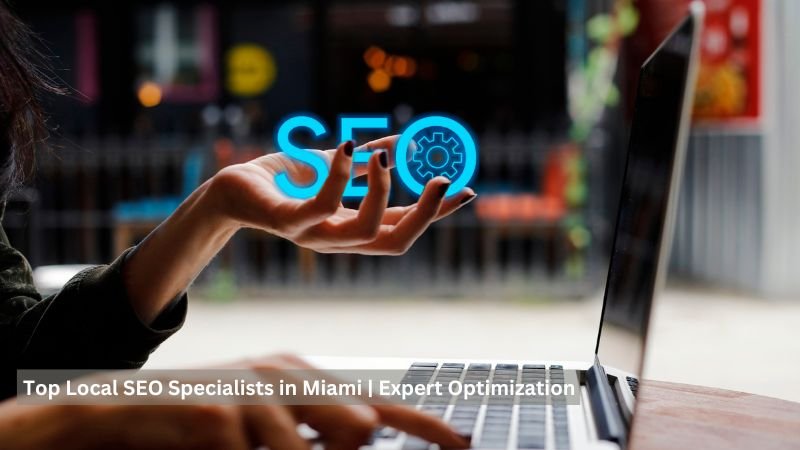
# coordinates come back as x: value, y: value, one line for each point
x: 605, y: 398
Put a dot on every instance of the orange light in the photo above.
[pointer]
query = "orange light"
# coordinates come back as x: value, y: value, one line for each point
x: 412, y: 67
x: 399, y: 66
x: 374, y: 57
x: 149, y: 94
x: 379, y: 80
x: 388, y: 65
x: 404, y: 67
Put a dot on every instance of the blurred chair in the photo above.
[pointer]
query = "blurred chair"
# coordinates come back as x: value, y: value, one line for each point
x: 530, y: 215
x: 135, y: 218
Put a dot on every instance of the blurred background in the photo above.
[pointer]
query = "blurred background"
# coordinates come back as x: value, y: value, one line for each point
x: 167, y: 93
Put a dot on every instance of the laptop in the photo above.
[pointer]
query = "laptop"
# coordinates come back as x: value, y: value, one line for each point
x: 601, y: 412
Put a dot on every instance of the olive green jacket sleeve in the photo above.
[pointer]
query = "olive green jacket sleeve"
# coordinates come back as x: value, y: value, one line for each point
x: 89, y: 324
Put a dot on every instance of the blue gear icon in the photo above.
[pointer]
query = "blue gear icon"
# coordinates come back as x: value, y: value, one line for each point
x: 453, y: 153
x: 438, y: 156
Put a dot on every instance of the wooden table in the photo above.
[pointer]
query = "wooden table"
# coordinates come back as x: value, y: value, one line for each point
x: 681, y: 416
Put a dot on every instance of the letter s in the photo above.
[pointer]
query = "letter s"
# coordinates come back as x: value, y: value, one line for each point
x: 314, y: 160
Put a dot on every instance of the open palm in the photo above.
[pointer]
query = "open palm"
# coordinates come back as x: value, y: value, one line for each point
x: 322, y: 223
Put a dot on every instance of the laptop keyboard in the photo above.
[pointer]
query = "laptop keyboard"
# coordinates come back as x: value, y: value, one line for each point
x: 633, y: 383
x: 495, y: 430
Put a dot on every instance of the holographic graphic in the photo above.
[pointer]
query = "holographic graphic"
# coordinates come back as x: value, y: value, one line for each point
x: 440, y: 146
x: 436, y: 145
x: 440, y: 154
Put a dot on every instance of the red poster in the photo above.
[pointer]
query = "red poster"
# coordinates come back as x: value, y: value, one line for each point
x: 728, y: 88
x: 728, y: 85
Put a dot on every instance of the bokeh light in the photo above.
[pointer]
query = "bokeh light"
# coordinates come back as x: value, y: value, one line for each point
x: 379, y: 80
x: 386, y: 66
x: 149, y: 94
x: 403, y: 67
x: 374, y: 57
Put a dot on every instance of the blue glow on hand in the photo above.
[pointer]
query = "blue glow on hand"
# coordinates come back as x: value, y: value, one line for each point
x: 347, y: 126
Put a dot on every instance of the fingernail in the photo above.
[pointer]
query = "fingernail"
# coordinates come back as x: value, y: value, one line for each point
x: 466, y: 200
x: 383, y: 159
x: 348, y: 148
x: 365, y: 412
x: 467, y: 438
x: 443, y: 189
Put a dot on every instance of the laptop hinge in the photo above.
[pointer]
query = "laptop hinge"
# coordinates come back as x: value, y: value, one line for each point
x: 608, y: 418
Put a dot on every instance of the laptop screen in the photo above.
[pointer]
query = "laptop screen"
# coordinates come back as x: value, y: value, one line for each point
x: 643, y: 208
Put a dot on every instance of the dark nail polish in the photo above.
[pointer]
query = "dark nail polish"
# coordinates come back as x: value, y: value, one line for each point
x: 348, y: 148
x: 466, y: 200
x: 384, y: 160
x: 443, y: 189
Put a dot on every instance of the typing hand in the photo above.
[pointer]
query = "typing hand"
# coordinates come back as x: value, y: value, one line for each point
x: 341, y: 424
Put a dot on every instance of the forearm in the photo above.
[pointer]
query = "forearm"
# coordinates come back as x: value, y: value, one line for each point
x: 168, y: 260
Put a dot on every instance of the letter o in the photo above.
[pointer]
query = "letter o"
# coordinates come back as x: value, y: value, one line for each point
x: 470, y: 152
x: 155, y: 387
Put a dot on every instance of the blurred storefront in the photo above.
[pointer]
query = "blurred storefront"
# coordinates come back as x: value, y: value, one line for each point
x: 738, y: 218
x: 167, y: 93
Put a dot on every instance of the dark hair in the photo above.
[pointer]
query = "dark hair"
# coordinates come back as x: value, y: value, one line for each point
x: 24, y: 76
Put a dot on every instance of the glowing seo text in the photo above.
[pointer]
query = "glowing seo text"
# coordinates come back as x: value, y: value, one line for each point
x: 429, y: 146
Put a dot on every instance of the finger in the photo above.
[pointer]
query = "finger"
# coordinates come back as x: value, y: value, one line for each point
x: 409, y: 228
x: 344, y: 427
x: 397, y: 239
x: 342, y: 229
x: 456, y: 202
x: 327, y: 201
x: 387, y: 144
x: 360, y: 421
x: 393, y: 216
x: 396, y: 213
x: 420, y: 424
x: 370, y: 214
x: 274, y: 427
x: 450, y: 205
x: 340, y: 425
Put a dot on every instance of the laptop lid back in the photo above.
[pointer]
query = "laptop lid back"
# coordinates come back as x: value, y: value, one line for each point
x: 649, y: 195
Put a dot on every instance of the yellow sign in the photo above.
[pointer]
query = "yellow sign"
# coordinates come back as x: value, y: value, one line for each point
x: 251, y: 70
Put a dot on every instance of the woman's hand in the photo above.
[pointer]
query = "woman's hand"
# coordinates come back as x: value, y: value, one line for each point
x: 246, y: 195
x: 249, y: 196
x: 339, y: 424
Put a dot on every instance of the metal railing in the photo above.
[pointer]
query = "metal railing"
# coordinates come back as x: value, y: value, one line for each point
x: 69, y: 220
